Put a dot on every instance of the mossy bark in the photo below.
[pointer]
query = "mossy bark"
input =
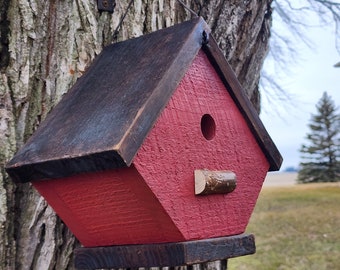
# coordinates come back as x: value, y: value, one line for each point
x: 44, y: 47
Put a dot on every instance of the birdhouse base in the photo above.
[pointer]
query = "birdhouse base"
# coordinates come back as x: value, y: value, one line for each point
x: 165, y: 254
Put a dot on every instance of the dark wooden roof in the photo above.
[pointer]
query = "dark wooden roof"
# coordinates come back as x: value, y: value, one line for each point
x: 104, y: 118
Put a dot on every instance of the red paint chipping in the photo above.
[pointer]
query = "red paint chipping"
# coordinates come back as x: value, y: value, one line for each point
x: 153, y: 201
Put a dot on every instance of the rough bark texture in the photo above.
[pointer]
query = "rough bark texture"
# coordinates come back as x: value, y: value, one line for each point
x: 44, y: 47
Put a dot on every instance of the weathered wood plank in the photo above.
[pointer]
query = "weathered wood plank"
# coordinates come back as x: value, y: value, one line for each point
x: 170, y: 254
x: 103, y: 119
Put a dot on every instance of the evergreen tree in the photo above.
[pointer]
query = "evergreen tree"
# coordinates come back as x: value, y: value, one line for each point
x: 321, y: 158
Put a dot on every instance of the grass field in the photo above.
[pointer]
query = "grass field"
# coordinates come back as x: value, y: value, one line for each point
x: 296, y: 227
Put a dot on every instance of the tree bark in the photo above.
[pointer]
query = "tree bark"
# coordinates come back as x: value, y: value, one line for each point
x: 44, y: 47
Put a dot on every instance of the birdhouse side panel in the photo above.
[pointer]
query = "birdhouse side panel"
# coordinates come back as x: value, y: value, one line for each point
x: 109, y: 208
x: 202, y: 128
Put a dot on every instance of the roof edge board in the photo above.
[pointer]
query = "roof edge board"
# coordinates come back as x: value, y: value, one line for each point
x: 82, y: 164
x: 242, y: 101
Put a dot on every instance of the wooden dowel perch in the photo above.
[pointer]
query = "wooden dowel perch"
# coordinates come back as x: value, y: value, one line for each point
x: 214, y: 182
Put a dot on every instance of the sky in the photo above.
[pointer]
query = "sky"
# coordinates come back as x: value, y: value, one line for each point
x: 307, y: 76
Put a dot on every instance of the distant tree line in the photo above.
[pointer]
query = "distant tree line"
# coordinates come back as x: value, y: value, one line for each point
x: 321, y: 156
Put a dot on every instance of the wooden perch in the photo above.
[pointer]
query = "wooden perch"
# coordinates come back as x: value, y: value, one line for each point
x: 214, y: 182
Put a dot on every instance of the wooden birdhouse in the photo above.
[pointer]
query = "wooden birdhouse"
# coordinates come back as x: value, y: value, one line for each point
x: 155, y: 143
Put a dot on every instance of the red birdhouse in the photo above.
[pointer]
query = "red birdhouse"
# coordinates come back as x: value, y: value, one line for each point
x: 156, y: 142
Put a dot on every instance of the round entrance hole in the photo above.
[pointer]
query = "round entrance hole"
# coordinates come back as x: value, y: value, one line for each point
x: 208, y: 126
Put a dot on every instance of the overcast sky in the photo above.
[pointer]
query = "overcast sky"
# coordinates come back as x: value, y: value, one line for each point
x: 307, y: 78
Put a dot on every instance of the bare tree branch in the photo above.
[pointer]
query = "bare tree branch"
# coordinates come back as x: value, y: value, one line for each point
x: 293, y: 19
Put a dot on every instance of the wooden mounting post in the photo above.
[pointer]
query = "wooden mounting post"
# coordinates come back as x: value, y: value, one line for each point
x: 165, y: 254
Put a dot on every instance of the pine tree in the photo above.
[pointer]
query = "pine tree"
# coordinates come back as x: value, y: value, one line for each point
x: 322, y: 155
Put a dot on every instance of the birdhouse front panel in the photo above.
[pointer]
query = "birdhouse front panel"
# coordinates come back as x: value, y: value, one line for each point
x: 202, y: 128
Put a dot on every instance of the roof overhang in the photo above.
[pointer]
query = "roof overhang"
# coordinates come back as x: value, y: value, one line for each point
x: 104, y: 118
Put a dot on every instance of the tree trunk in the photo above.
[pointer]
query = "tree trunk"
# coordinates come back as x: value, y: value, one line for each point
x: 44, y: 47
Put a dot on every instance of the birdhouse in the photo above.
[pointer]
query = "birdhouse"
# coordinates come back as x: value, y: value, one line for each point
x: 157, y: 142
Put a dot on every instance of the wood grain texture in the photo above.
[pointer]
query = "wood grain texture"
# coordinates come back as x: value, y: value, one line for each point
x: 170, y: 254
x: 114, y: 106
x: 107, y: 126
x: 46, y: 46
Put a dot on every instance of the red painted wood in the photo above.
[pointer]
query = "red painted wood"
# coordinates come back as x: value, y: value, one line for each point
x: 109, y: 208
x: 153, y: 201
x: 176, y: 147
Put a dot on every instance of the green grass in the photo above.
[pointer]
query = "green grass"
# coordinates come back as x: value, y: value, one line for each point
x: 295, y: 227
